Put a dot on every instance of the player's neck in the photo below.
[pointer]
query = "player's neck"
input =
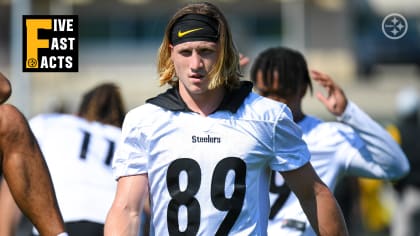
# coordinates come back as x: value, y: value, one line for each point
x: 298, y: 116
x: 205, y: 103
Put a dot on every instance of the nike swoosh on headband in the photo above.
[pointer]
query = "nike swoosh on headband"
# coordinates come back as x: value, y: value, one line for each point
x: 182, y: 34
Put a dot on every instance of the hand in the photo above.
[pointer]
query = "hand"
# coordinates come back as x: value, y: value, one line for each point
x: 335, y: 101
x: 243, y: 60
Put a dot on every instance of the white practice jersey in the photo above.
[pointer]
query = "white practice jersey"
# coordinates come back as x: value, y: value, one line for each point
x: 356, y: 146
x: 79, y: 156
x: 210, y: 175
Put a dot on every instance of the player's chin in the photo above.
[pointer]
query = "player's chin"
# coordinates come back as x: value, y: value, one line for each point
x: 198, y: 88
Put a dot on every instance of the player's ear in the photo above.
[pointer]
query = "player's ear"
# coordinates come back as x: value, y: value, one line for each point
x: 171, y: 49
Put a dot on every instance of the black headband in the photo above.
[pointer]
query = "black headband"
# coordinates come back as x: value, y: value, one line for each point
x: 194, y: 27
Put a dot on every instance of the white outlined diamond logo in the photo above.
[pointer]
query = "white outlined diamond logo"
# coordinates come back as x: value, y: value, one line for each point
x: 394, y: 26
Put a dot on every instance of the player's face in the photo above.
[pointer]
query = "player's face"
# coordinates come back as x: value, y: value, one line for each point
x: 193, y: 61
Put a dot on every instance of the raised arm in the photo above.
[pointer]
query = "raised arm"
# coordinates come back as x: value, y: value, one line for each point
x: 26, y: 172
x: 383, y: 151
x: 317, y: 201
x: 124, y: 216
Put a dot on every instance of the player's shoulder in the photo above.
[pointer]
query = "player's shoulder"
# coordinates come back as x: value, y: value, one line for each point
x: 99, y: 128
x: 330, y: 133
x: 310, y: 123
x: 314, y: 124
x: 52, y: 118
x: 338, y: 127
x: 54, y: 123
x: 259, y: 107
x: 47, y: 116
x: 146, y: 113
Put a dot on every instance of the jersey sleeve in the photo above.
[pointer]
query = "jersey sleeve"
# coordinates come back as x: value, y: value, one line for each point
x: 290, y: 151
x: 129, y: 157
x: 382, y: 156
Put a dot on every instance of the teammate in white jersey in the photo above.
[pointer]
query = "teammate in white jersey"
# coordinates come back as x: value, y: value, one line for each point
x: 206, y: 146
x: 25, y: 174
x: 78, y: 150
x: 355, y: 145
